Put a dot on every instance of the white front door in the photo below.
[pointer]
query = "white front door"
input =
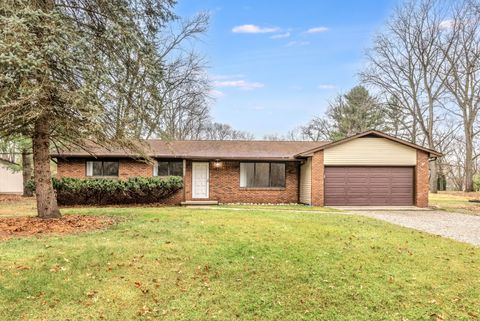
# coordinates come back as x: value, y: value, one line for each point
x: 200, y: 177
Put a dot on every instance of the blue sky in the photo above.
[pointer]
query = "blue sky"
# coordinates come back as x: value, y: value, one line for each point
x: 276, y: 64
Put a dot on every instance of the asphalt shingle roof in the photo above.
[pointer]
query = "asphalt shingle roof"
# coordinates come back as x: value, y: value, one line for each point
x: 207, y: 149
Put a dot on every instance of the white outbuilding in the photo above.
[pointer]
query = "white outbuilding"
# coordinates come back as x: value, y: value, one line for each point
x: 11, y: 182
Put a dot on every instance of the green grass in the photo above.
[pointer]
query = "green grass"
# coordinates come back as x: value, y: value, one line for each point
x: 456, y: 202
x: 289, y: 207
x: 198, y: 264
x: 12, y: 205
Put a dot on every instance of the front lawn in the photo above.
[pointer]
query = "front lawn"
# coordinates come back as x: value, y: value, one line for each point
x: 199, y: 264
x: 16, y: 205
x: 456, y: 202
x: 288, y: 207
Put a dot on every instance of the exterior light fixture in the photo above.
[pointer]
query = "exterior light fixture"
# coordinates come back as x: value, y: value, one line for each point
x: 217, y: 163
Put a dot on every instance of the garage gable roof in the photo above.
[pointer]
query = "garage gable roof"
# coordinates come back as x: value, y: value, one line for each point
x: 374, y: 133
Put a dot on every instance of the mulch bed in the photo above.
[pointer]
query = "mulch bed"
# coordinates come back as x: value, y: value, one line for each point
x: 34, y: 226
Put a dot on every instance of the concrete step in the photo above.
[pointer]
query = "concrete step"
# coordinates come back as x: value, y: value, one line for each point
x: 199, y: 203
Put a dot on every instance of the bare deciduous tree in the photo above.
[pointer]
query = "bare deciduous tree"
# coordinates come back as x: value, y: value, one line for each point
x: 218, y: 131
x: 407, y: 62
x: 319, y: 128
x: 184, y: 103
x: 462, y: 51
x: 144, y: 96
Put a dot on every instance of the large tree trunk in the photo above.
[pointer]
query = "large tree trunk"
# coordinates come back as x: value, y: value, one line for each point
x: 468, y: 160
x: 46, y: 201
x: 433, y: 177
x: 433, y: 164
x: 26, y: 171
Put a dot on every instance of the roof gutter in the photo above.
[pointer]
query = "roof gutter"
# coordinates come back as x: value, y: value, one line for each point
x: 193, y: 158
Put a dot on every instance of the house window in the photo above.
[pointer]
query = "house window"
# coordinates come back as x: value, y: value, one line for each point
x: 262, y: 174
x: 168, y: 168
x: 102, y: 168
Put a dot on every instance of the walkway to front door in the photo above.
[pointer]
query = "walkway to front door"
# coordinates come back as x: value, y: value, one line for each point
x: 200, y: 178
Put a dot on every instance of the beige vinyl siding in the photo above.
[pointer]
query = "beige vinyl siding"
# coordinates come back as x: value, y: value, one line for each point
x: 306, y: 182
x: 10, y: 182
x: 370, y: 151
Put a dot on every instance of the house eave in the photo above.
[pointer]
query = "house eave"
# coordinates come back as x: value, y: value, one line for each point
x: 193, y: 158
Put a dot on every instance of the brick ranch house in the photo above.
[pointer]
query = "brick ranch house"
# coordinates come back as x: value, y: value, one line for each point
x: 370, y: 168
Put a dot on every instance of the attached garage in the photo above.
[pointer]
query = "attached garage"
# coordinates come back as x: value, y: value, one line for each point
x: 367, y: 169
x: 374, y: 186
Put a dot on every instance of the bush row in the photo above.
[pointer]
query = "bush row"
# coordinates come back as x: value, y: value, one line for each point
x: 101, y: 191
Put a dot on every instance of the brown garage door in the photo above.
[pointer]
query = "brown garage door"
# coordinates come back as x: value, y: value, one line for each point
x: 368, y: 185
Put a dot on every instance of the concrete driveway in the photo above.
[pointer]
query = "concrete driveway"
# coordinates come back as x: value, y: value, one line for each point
x: 457, y: 226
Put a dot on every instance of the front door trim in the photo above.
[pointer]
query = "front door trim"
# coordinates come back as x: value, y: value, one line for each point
x: 200, y: 180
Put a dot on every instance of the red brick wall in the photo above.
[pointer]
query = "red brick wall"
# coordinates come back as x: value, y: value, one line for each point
x: 187, y: 181
x: 225, y: 185
x: 75, y: 168
x: 421, y: 179
x: 224, y: 181
x: 318, y: 169
x: 131, y: 168
x: 174, y: 199
x: 127, y: 168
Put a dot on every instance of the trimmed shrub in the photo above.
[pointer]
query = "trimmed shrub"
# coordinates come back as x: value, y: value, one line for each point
x: 101, y: 191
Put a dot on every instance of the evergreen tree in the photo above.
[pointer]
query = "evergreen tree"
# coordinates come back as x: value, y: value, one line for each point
x: 55, y: 57
x: 354, y: 112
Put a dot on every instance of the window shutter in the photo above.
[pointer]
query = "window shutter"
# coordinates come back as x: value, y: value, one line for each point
x: 155, y: 168
x: 89, y: 168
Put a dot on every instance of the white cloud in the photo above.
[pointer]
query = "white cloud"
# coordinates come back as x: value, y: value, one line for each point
x: 242, y: 84
x: 216, y: 93
x: 317, y: 30
x: 327, y: 86
x: 281, y: 35
x: 254, y: 29
x: 295, y: 43
x: 447, y: 24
